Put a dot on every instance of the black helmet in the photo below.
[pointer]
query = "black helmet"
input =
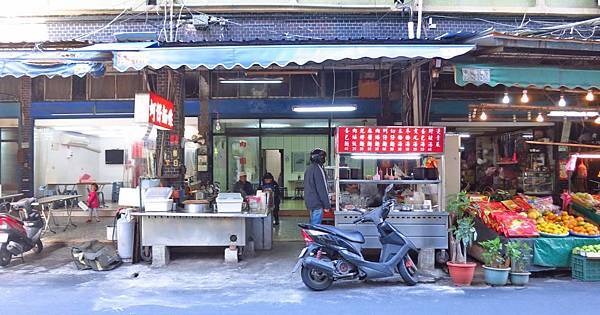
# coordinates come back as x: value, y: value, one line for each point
x: 318, y: 156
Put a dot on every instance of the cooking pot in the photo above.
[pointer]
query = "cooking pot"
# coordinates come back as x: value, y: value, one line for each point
x: 419, y: 173
x: 431, y: 173
x: 196, y: 206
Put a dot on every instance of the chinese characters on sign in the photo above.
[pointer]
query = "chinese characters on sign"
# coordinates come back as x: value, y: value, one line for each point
x: 153, y: 109
x: 160, y: 112
x: 390, y: 139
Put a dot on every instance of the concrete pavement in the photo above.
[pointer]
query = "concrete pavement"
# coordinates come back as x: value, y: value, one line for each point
x: 200, y: 283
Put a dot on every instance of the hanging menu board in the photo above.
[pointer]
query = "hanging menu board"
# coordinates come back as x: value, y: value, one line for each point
x: 390, y: 139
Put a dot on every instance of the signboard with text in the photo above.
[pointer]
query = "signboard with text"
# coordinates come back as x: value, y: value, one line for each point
x: 390, y: 139
x: 152, y: 108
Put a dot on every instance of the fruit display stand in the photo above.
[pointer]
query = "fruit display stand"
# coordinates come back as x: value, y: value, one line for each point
x: 557, y: 233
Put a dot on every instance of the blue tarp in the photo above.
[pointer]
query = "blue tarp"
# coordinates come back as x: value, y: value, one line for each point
x: 65, y: 63
x: 266, y: 55
x: 19, y: 69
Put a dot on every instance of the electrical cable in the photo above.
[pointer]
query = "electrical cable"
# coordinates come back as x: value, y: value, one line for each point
x: 109, y: 23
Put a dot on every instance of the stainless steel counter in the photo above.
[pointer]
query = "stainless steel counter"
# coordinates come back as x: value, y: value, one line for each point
x: 206, y: 229
x: 424, y: 229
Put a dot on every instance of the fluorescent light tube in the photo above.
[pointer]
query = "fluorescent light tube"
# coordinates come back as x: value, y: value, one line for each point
x: 559, y: 113
x: 252, y: 81
x: 321, y: 109
x: 375, y: 156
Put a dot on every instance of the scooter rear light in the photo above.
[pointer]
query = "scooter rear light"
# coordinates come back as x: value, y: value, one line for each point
x: 307, y: 238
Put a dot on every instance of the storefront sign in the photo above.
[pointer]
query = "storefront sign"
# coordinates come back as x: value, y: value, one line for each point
x: 476, y: 75
x: 152, y: 108
x: 390, y: 139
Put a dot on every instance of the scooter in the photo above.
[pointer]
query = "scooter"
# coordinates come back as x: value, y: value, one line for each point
x: 18, y: 236
x: 332, y: 254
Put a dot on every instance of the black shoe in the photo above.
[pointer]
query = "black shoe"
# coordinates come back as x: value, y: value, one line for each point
x: 276, y: 223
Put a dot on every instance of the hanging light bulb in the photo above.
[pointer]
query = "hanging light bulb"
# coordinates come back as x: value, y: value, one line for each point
x: 218, y: 125
x: 483, y: 116
x: 589, y: 96
x: 514, y: 118
x: 524, y: 97
x: 597, y: 120
x: 528, y: 115
x: 470, y: 119
x: 506, y: 99
x: 539, y: 118
x: 561, y: 101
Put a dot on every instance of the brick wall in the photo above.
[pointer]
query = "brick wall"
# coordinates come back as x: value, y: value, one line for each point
x: 170, y: 86
x: 25, y: 156
x: 289, y: 26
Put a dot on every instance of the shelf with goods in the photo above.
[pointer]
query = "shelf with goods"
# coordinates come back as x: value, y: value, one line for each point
x: 425, y: 222
x: 552, y: 233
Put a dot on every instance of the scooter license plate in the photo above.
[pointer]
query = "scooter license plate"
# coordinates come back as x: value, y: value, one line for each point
x: 3, y: 237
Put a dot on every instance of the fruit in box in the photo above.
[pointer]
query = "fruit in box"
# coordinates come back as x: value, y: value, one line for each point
x: 587, y: 250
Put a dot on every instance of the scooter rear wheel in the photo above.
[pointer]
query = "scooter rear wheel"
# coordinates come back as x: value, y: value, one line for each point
x: 408, y: 271
x: 5, y: 256
x: 315, y: 279
x: 38, y: 247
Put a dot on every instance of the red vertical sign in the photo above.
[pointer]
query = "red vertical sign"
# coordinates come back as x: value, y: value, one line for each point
x: 160, y: 112
x: 390, y: 139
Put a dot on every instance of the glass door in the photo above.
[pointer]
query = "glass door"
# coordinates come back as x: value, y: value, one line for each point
x: 243, y: 156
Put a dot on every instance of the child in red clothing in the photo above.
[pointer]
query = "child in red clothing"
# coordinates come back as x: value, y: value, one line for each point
x: 93, y: 202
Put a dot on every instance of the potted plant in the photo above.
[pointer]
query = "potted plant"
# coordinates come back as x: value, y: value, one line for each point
x: 519, y: 253
x: 462, y: 235
x: 494, y: 270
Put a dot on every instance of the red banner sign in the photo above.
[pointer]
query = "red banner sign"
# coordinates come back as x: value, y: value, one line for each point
x: 390, y: 139
x: 160, y: 112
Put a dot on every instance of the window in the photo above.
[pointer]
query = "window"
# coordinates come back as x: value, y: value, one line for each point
x: 9, y: 88
x: 344, y: 84
x: 121, y: 86
x: 192, y: 85
x: 58, y: 89
x: 305, y: 85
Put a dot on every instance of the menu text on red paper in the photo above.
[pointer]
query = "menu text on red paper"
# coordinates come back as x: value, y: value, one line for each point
x: 390, y: 139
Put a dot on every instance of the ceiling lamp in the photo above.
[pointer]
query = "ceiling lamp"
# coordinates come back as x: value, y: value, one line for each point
x: 589, y: 96
x: 561, y: 101
x: 251, y: 81
x: 505, y: 99
x: 539, y: 118
x: 524, y: 97
x: 483, y: 116
x: 321, y: 109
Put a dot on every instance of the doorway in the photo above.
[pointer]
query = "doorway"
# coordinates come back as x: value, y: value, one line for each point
x: 273, y: 163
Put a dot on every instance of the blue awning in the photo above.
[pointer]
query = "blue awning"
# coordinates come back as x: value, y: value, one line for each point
x: 30, y: 63
x: 282, y: 55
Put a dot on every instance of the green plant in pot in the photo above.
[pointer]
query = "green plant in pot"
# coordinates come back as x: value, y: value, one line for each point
x: 520, y: 254
x: 461, y: 238
x: 495, y: 269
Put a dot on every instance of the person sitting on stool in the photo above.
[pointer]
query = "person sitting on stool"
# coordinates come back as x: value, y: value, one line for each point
x: 243, y: 186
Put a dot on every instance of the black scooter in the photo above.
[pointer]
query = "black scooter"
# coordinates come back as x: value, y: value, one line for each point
x: 332, y: 254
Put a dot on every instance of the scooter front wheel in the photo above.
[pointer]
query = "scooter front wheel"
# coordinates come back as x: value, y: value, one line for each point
x: 315, y: 279
x: 408, y: 271
x: 38, y: 247
x: 5, y: 256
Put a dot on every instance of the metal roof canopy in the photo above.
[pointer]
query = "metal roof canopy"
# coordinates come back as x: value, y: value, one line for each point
x: 246, y: 56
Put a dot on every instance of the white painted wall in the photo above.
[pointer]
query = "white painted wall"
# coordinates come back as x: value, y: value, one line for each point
x: 58, y: 163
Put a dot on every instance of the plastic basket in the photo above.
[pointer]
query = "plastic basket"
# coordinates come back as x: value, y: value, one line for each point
x: 585, y: 269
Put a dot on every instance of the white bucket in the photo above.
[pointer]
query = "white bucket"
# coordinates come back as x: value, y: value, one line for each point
x: 125, y: 230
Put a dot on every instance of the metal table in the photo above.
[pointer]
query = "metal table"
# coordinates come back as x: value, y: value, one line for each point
x: 10, y: 198
x: 67, y: 187
x: 46, y: 203
x: 165, y: 229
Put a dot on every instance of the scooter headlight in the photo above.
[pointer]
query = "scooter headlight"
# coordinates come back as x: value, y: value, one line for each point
x: 3, y: 225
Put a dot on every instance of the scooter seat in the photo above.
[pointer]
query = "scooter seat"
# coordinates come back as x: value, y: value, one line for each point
x: 352, y: 236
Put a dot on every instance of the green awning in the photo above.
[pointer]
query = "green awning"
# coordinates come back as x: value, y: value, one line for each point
x: 492, y: 75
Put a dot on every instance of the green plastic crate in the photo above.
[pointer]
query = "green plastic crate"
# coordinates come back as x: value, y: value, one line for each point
x: 585, y: 269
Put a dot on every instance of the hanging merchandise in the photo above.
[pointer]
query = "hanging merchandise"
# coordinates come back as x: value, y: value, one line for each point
x: 582, y: 170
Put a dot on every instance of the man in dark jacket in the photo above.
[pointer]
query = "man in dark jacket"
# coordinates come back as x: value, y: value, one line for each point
x: 316, y: 196
x: 243, y: 186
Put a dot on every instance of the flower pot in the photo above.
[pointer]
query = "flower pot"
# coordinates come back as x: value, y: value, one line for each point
x: 462, y: 274
x: 519, y: 278
x: 496, y: 276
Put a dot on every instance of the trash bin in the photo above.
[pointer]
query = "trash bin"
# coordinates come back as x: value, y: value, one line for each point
x: 125, y: 230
